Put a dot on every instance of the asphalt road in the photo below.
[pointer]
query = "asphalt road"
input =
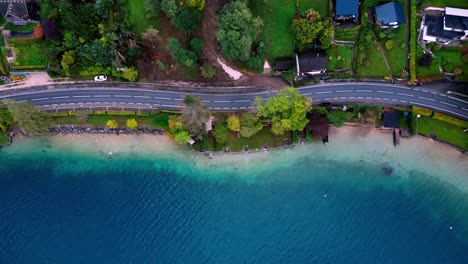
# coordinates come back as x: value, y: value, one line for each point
x: 334, y: 93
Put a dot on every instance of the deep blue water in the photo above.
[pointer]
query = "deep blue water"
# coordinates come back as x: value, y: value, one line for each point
x: 77, y: 209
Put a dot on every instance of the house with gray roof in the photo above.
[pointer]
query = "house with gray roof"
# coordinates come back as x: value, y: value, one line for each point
x: 389, y: 15
x: 444, y: 25
x: 14, y: 11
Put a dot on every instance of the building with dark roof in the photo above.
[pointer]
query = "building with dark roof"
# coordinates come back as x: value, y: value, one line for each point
x: 389, y: 15
x: 391, y: 119
x: 284, y: 64
x: 311, y: 63
x: 14, y: 11
x: 444, y: 25
x: 347, y: 10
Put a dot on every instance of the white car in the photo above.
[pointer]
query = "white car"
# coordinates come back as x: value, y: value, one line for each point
x: 100, y: 78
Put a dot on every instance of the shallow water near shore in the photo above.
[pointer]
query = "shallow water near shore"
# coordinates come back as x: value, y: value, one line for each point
x: 64, y: 199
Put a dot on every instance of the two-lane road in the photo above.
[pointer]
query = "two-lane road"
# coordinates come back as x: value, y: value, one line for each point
x: 339, y: 93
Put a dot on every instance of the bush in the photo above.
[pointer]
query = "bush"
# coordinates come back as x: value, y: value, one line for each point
x: 413, y: 124
x: 458, y: 71
x: 233, y: 123
x: 180, y: 55
x: 425, y: 60
x: 221, y: 133
x: 422, y: 111
x: 112, y: 124
x: 207, y: 71
x: 337, y: 117
x: 120, y: 113
x: 448, y: 67
x: 196, y: 45
x: 132, y: 124
x: 389, y: 44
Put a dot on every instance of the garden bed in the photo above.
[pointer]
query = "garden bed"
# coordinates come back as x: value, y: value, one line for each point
x: 340, y: 58
x: 29, y: 53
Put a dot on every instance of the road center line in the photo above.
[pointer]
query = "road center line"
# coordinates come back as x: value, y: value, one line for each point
x: 385, y: 92
x: 97, y: 96
x: 425, y: 98
x: 410, y: 95
x: 39, y: 99
x: 324, y: 92
x: 344, y: 91
x: 141, y: 96
x: 162, y: 98
x: 60, y: 97
x: 368, y: 91
x: 448, y: 104
x: 122, y: 96
x: 81, y: 96
x: 222, y: 101
x: 240, y: 101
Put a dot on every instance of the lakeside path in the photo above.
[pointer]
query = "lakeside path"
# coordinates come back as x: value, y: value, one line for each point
x: 106, y: 96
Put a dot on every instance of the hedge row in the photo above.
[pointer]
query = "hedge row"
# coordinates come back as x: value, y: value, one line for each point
x: 451, y: 120
x: 413, y: 42
x: 103, y: 112
x: 422, y: 111
x: 29, y: 67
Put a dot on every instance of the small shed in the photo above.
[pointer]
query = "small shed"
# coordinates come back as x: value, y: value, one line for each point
x: 284, y: 64
x: 391, y: 119
x: 389, y: 15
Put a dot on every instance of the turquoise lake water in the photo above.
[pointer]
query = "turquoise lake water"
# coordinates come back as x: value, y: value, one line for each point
x: 68, y: 201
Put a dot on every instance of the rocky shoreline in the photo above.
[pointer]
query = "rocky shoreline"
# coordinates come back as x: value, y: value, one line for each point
x: 72, y: 129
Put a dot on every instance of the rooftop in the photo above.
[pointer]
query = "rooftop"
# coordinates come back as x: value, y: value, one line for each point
x: 347, y: 7
x: 312, y: 61
x: 435, y: 27
x: 390, y: 12
x: 391, y: 119
x: 14, y: 8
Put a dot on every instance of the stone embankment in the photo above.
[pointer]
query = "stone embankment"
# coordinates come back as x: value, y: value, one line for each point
x: 71, y: 129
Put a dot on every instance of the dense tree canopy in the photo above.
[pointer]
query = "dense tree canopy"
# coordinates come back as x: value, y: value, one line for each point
x: 221, y: 133
x: 194, y: 115
x: 238, y: 30
x: 310, y: 26
x: 250, y: 125
x: 184, y: 14
x: 233, y: 123
x: 286, y: 110
x: 180, y: 55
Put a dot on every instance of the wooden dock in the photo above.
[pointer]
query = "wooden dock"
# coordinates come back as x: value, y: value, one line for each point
x: 396, y: 137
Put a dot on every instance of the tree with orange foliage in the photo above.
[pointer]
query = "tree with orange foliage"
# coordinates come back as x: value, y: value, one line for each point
x: 38, y: 32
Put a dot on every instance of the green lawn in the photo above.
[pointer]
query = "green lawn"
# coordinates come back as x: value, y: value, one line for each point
x: 422, y: 72
x: 339, y: 57
x: 277, y: 15
x: 29, y: 54
x: 256, y: 141
x: 451, y: 59
x: 443, y: 3
x: 374, y: 65
x: 443, y: 130
x: 156, y: 121
x: 3, y: 138
x: 28, y: 28
x: 136, y: 13
x: 347, y: 34
x: 396, y: 56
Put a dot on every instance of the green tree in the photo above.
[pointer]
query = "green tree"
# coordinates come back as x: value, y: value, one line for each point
x: 221, y: 133
x: 180, y: 55
x: 238, y: 29
x: 132, y: 124
x: 207, y: 71
x: 250, y: 125
x: 196, y: 45
x: 29, y: 117
x: 130, y: 74
x: 185, y: 15
x: 68, y: 59
x: 327, y: 34
x: 181, y: 137
x: 112, y: 124
x: 286, y: 110
x: 194, y: 115
x: 233, y: 123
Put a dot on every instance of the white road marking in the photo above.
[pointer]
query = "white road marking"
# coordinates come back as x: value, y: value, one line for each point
x: 60, y: 97
x: 344, y: 91
x: 364, y: 91
x: 177, y: 99
x: 222, y: 101
x: 240, y: 101
x: 125, y: 96
x: 306, y: 93
x: 448, y: 104
x: 162, y: 98
x: 425, y: 98
x: 434, y: 107
x: 39, y: 99
x: 324, y: 92
x: 385, y: 92
x: 465, y: 109
x: 410, y: 95
x: 97, y: 96
x: 141, y: 96
x: 81, y: 96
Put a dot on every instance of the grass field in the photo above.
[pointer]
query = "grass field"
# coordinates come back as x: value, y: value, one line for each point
x: 29, y: 53
x: 3, y: 138
x: 156, y: 121
x: 443, y: 3
x: 277, y: 15
x: 256, y: 141
x: 136, y: 13
x: 431, y: 70
x: 339, y: 57
x: 347, y: 34
x: 396, y: 56
x: 374, y: 66
x: 443, y: 130
x: 451, y: 59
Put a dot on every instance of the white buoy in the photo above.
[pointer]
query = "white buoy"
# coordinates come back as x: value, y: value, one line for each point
x: 451, y: 227
x: 110, y: 153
